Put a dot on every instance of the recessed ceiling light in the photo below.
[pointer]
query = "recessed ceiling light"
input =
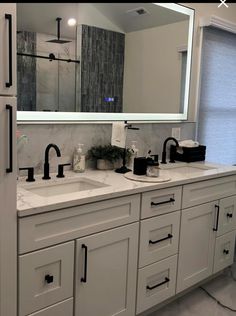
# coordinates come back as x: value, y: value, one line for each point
x: 71, y: 22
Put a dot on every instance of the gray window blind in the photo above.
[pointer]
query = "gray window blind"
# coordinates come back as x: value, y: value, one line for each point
x: 217, y: 110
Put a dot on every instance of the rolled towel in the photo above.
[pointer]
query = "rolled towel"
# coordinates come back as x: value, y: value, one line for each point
x: 188, y: 143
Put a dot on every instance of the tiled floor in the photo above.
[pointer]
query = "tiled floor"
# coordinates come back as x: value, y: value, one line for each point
x: 198, y: 303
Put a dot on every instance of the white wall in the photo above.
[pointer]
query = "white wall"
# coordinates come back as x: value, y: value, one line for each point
x: 153, y: 68
x: 89, y: 15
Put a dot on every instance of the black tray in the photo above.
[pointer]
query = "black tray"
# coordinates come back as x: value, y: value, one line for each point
x: 188, y: 154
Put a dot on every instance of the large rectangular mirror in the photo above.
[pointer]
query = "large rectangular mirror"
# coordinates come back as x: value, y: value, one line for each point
x: 115, y: 61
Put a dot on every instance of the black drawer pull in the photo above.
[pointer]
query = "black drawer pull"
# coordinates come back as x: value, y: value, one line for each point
x: 160, y: 240
x: 9, y: 108
x: 230, y: 215
x: 159, y: 284
x: 226, y: 251
x: 49, y: 278
x: 217, y: 218
x: 164, y: 202
x: 84, y: 278
x: 9, y: 18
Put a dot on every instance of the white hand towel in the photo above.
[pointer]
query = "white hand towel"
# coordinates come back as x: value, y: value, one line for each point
x: 188, y: 143
x: 118, y: 137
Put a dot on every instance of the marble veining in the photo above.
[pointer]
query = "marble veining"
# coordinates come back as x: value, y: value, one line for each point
x: 117, y: 185
x: 67, y: 136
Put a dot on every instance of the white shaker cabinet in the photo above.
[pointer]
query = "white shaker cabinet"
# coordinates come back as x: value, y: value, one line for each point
x: 207, y: 235
x: 227, y: 215
x: 8, y: 49
x: 224, y: 251
x: 45, y: 277
x: 129, y: 253
x: 8, y: 220
x: 197, y: 242
x: 8, y: 216
x: 105, y: 273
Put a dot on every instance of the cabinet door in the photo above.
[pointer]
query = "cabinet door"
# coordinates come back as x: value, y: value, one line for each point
x: 8, y: 220
x: 8, y: 49
x: 106, y: 271
x: 227, y: 215
x: 197, y: 241
x: 45, y: 277
x: 224, y: 251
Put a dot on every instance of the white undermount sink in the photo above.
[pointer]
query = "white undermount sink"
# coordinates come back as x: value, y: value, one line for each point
x: 186, y: 168
x: 64, y: 187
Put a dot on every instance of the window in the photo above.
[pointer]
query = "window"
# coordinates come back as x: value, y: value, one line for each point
x: 217, y: 110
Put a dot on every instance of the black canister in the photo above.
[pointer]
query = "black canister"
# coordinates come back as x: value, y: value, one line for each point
x: 140, y: 166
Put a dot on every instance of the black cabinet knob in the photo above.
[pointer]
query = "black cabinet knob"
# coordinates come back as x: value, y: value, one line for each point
x: 49, y: 278
x: 30, y: 173
x: 226, y: 251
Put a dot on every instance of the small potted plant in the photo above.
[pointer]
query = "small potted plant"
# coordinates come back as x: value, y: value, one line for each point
x: 106, y: 156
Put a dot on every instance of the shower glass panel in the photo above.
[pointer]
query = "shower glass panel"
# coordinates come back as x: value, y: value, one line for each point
x: 46, y: 84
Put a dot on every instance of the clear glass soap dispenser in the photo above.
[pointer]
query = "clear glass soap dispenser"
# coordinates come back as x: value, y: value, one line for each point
x: 134, y: 154
x: 79, y: 159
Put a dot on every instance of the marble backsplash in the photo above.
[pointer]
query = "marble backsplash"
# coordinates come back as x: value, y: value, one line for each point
x: 67, y: 136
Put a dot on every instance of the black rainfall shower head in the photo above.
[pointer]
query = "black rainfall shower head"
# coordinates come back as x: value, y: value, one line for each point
x: 58, y: 40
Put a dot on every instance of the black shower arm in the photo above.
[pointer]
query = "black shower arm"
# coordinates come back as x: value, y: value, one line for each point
x: 49, y: 58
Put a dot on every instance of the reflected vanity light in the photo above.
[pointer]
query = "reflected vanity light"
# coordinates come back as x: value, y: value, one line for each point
x: 71, y: 22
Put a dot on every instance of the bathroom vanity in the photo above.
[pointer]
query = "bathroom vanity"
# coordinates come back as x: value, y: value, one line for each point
x: 112, y: 246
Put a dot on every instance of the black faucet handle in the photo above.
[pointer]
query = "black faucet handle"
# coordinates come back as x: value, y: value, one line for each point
x: 163, y: 157
x: 60, y: 173
x: 30, y: 177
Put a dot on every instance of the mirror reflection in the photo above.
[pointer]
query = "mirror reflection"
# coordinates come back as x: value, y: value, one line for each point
x: 110, y: 57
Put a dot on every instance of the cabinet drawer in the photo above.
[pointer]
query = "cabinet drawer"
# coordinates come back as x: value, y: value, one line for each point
x: 44, y: 230
x: 45, y: 277
x: 59, y: 309
x: 156, y: 283
x: 227, y: 215
x: 224, y: 251
x: 159, y: 238
x: 206, y: 191
x: 160, y: 202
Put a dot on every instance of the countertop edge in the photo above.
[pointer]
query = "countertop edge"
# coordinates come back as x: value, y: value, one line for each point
x: 29, y: 211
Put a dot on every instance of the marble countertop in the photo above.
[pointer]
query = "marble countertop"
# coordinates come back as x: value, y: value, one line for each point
x: 29, y: 203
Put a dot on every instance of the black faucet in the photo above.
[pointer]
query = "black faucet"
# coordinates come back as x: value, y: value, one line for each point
x: 46, y: 163
x: 163, y: 160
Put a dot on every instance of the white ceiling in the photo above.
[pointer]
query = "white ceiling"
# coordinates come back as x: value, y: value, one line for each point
x: 117, y: 12
x: 41, y: 17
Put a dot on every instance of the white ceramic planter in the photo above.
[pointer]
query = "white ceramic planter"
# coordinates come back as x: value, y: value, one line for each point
x: 103, y: 164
